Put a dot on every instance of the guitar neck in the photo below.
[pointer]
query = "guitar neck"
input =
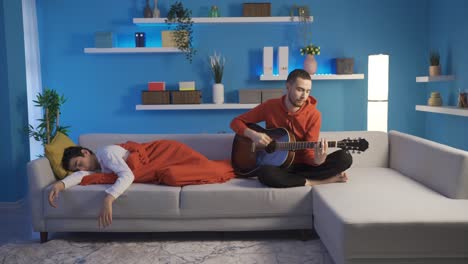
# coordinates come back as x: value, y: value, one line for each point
x: 301, y: 145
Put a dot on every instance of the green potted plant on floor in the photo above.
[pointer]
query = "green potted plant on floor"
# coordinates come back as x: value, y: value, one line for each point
x: 50, y: 101
x: 182, y: 35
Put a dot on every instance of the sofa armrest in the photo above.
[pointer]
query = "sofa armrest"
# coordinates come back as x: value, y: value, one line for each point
x: 40, y: 175
x: 441, y: 168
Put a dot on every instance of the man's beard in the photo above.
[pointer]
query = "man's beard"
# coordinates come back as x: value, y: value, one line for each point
x: 296, y: 103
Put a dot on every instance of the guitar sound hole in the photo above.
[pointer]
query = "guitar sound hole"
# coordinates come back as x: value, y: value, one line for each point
x: 270, y: 148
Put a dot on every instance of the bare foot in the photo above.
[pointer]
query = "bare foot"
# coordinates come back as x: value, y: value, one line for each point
x: 341, y: 177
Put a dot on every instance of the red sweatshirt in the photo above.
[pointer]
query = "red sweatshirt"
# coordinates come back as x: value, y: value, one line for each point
x: 304, y: 124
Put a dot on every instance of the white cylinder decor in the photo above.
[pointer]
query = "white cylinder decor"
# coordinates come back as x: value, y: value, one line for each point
x: 218, y: 93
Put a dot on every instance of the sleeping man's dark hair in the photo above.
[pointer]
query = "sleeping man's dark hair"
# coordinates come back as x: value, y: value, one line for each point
x: 71, y: 152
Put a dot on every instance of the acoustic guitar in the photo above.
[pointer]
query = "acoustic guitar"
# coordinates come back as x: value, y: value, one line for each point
x: 247, y: 157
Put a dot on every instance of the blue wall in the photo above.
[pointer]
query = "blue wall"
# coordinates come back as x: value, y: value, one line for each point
x: 102, y: 90
x: 449, y: 35
x: 13, y: 104
x: 5, y: 157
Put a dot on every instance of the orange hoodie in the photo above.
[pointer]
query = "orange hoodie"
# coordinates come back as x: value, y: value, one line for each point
x: 304, y: 124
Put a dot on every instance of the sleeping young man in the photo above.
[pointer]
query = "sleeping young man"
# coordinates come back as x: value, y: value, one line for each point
x: 159, y: 162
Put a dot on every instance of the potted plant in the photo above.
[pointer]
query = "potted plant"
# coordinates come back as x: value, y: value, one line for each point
x: 434, y: 60
x: 183, y: 32
x: 217, y: 68
x: 305, y: 31
x: 310, y: 64
x: 49, y: 125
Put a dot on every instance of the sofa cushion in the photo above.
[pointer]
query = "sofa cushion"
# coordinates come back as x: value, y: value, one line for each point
x: 139, y: 201
x: 381, y: 213
x: 439, y: 167
x: 54, y: 153
x: 375, y: 156
x: 244, y: 198
x: 213, y: 146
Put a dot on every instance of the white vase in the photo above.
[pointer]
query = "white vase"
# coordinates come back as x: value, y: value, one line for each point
x: 218, y: 93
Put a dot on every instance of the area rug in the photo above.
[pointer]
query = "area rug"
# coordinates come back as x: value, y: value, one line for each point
x: 79, y: 251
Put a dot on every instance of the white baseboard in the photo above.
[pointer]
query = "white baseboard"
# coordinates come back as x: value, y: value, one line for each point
x: 12, y: 205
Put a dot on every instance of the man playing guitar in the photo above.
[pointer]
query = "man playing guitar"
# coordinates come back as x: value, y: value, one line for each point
x: 297, y: 113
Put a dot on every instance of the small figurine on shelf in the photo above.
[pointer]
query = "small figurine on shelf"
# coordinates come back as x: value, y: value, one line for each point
x: 156, y: 12
x: 214, y: 11
x: 147, y: 13
x: 462, y: 99
x: 435, y: 99
x: 140, y: 40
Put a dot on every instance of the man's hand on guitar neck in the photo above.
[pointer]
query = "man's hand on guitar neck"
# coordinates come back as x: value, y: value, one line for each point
x: 320, y: 151
x: 260, y: 139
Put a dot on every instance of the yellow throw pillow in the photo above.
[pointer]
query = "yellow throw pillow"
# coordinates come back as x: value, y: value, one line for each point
x: 54, y: 152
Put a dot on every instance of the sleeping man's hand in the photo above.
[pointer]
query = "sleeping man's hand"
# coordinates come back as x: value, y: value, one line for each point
x: 54, y: 193
x: 105, y: 217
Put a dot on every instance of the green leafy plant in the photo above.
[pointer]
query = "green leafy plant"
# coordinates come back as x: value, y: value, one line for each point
x: 50, y: 101
x: 217, y: 67
x: 310, y: 50
x: 183, y: 35
x: 305, y: 30
x: 434, y: 58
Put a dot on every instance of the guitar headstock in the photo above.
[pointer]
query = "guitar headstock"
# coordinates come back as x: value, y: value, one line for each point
x: 358, y: 144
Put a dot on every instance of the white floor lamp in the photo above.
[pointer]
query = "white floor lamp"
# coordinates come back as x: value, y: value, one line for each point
x: 377, y: 97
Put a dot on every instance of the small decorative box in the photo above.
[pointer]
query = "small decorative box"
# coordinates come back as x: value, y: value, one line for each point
x: 268, y: 94
x: 250, y: 96
x: 186, y: 86
x: 186, y: 97
x: 155, y: 97
x: 156, y: 86
x: 257, y: 9
x: 104, y: 40
x: 345, y: 66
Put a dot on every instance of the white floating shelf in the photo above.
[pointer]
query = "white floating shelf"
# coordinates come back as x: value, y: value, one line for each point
x: 440, y: 78
x: 132, y: 50
x: 356, y: 76
x: 448, y: 110
x: 216, y: 20
x: 195, y: 106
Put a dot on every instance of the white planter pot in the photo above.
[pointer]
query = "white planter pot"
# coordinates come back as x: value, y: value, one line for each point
x: 218, y: 93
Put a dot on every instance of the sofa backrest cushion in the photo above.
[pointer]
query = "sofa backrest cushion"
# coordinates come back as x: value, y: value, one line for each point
x: 439, y: 167
x: 375, y: 156
x: 218, y: 146
x: 213, y: 146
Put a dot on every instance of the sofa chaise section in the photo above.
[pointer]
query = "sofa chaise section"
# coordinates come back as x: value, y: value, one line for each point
x: 402, y: 214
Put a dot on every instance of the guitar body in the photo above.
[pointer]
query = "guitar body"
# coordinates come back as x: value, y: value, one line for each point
x: 245, y: 159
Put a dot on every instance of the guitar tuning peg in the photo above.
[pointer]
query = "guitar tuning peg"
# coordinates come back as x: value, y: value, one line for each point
x: 348, y: 138
x: 353, y: 151
x: 359, y: 152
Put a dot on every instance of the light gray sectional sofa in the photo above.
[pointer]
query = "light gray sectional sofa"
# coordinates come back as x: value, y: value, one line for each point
x: 406, y: 201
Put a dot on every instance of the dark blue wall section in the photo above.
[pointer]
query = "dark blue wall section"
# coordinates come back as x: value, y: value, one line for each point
x: 102, y: 90
x: 13, y: 104
x: 449, y: 36
x: 5, y: 155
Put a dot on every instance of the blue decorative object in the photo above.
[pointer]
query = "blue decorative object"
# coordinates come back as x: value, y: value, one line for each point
x: 140, y: 40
